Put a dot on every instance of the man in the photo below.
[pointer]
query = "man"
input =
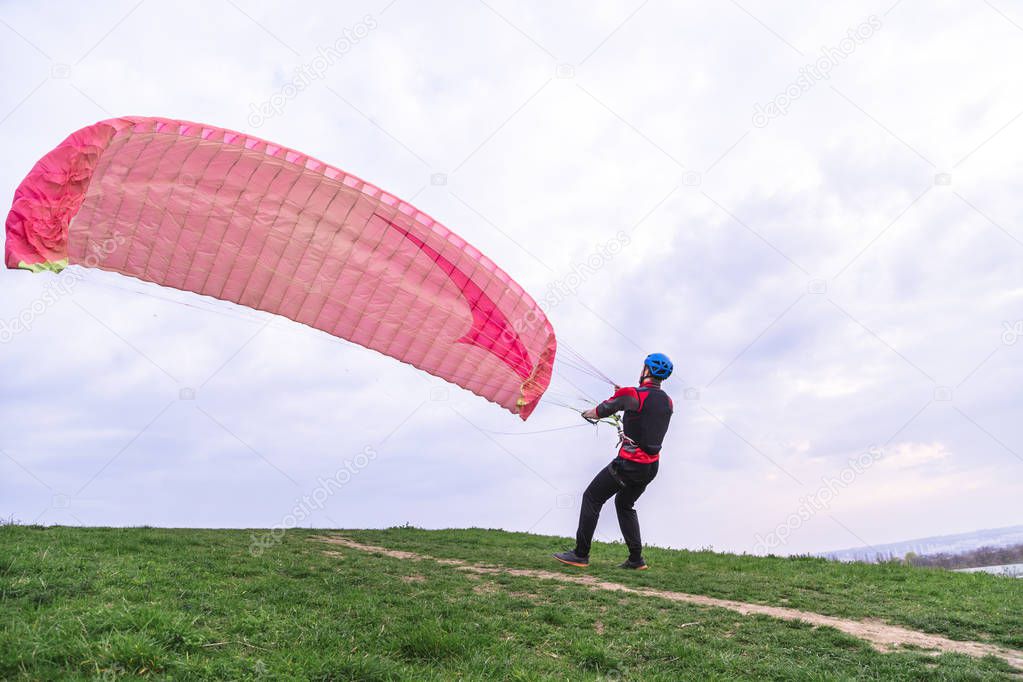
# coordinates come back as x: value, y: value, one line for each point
x: 647, y: 412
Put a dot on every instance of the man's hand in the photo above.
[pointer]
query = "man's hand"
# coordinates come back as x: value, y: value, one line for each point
x: 591, y: 415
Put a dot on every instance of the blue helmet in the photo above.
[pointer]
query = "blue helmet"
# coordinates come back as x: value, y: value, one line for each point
x: 659, y: 365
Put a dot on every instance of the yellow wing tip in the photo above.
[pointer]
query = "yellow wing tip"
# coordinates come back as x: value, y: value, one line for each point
x: 45, y: 266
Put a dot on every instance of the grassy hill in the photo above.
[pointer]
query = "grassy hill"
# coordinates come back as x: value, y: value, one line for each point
x: 101, y: 603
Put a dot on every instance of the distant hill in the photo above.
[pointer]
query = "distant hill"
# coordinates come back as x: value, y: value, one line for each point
x: 942, y: 544
x: 974, y: 558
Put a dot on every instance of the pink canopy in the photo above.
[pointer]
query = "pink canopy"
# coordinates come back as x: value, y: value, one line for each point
x: 223, y: 214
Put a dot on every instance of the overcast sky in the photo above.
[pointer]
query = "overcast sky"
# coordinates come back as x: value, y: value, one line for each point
x: 815, y: 211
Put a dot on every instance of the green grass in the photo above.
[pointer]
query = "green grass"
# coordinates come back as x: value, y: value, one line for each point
x: 969, y: 606
x: 197, y: 605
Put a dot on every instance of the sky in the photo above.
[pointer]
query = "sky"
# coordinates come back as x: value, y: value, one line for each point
x: 812, y: 208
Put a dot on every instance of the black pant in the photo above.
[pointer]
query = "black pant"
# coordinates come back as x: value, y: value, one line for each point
x: 625, y: 480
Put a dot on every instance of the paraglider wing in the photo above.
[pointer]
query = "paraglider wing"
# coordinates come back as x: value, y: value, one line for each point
x: 231, y: 216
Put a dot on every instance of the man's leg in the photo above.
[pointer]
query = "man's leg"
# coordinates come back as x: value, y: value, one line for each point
x: 628, y: 520
x: 600, y: 490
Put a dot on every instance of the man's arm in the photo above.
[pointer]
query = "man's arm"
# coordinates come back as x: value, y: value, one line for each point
x: 623, y: 399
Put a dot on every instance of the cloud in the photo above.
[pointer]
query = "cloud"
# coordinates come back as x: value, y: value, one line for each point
x: 912, y: 455
x: 839, y: 279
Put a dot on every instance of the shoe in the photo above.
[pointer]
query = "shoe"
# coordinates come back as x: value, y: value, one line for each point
x: 634, y: 565
x: 572, y: 559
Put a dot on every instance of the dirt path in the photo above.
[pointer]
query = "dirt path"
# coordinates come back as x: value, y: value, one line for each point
x: 882, y: 636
